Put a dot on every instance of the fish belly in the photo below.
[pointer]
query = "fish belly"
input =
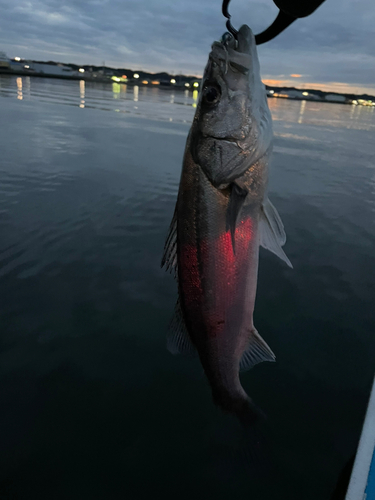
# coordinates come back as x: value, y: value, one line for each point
x: 217, y: 283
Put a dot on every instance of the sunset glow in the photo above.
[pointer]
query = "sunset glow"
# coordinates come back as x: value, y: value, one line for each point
x: 339, y: 87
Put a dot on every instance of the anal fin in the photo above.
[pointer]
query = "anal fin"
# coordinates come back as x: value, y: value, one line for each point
x: 178, y: 340
x: 256, y: 352
x: 169, y: 260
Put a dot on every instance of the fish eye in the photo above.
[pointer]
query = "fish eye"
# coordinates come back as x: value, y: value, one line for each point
x: 211, y: 94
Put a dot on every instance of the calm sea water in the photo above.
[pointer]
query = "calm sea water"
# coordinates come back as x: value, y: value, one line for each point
x: 92, y: 404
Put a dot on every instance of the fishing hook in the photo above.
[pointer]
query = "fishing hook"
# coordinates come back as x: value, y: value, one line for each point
x: 282, y: 21
x: 226, y: 14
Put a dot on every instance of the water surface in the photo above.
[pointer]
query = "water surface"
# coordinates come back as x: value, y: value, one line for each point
x: 92, y: 404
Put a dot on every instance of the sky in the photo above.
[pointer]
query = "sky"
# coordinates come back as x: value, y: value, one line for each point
x: 333, y: 49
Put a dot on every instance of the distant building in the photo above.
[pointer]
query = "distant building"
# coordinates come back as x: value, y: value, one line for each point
x: 51, y: 69
x: 295, y: 94
x: 301, y: 94
x: 47, y: 69
x: 104, y: 71
x: 335, y: 98
x: 4, y: 61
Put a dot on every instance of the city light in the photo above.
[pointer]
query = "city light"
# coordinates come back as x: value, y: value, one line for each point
x: 272, y: 91
x: 155, y: 82
x: 17, y: 58
x: 81, y: 70
x: 27, y: 66
x: 173, y: 80
x: 305, y: 93
x: 363, y: 102
x: 187, y: 85
x: 145, y: 82
x: 135, y: 75
x: 196, y: 84
x: 124, y: 76
x: 116, y: 79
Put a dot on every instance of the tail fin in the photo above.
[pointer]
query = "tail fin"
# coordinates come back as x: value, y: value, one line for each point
x: 248, y: 413
x: 253, y: 452
x: 239, y: 405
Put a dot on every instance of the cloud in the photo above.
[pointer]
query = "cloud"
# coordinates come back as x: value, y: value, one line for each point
x: 335, y: 44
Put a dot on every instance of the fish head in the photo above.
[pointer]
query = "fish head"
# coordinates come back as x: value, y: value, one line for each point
x: 232, y: 126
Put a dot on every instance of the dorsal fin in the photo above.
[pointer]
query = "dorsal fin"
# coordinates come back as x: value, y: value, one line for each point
x: 169, y: 260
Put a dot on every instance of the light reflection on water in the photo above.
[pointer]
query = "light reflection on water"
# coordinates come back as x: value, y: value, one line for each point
x: 150, y: 101
x: 301, y: 111
x: 19, y: 88
x: 323, y: 114
x: 82, y: 93
x: 102, y: 96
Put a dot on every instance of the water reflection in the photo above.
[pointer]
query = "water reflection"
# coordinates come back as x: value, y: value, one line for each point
x: 301, y: 111
x: 82, y: 93
x: 84, y: 207
x: 135, y: 93
x: 165, y: 104
x: 195, y: 98
x: 19, y: 88
x: 116, y: 89
x: 322, y: 114
x: 26, y: 90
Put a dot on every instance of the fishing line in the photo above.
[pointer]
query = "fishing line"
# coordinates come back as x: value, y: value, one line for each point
x: 289, y: 11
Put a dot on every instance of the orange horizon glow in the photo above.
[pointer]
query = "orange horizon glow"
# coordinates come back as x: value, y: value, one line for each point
x: 274, y: 83
x: 295, y: 75
x: 336, y: 87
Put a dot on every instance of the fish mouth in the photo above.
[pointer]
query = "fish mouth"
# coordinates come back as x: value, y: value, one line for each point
x: 226, y: 139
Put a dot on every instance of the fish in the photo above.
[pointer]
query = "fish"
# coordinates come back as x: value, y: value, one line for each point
x: 222, y: 216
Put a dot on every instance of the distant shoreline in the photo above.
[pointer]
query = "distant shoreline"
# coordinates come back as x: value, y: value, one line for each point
x: 164, y: 86
x: 43, y: 75
x: 89, y: 79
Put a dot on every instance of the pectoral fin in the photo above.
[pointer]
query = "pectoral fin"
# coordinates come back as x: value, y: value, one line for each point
x: 236, y: 201
x: 271, y: 229
x: 274, y: 221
